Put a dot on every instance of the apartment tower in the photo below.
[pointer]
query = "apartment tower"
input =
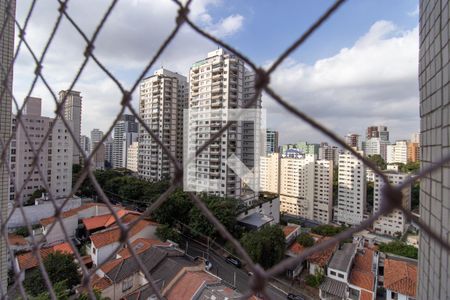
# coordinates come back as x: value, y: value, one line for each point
x: 72, y: 113
x: 271, y: 141
x: 351, y: 189
x: 125, y: 133
x: 7, y: 15
x: 434, y: 84
x: 163, y: 97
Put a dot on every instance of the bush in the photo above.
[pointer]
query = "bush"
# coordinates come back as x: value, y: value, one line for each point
x: 305, y: 239
x: 327, y: 230
x: 399, y: 248
x: 23, y: 231
x: 165, y: 232
x: 315, y: 280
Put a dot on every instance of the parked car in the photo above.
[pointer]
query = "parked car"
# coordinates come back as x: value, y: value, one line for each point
x: 234, y: 261
x: 294, y: 297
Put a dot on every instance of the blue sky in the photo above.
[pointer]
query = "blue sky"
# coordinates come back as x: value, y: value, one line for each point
x: 358, y: 69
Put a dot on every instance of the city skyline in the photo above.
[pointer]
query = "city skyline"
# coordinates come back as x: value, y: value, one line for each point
x: 390, y: 34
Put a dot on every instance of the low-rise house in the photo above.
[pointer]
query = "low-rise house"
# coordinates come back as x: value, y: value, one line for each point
x: 105, y: 242
x: 97, y: 223
x: 363, y: 277
x: 267, y: 205
x: 400, y: 279
x: 291, y: 232
x: 53, y: 231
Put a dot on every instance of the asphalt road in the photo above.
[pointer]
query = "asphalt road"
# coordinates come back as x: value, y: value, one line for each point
x: 234, y: 276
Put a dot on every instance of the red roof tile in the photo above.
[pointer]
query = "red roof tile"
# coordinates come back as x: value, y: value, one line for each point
x: 400, y: 277
x: 68, y: 213
x: 361, y: 274
x: 296, y: 248
x: 95, y: 222
x: 28, y: 260
x: 17, y: 240
x: 188, y: 284
x: 323, y: 257
x: 100, y: 283
x: 104, y: 221
x: 365, y: 295
x: 287, y: 230
x: 109, y: 236
x: 141, y: 245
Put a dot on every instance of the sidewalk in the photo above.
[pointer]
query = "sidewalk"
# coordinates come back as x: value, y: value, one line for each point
x: 295, y: 287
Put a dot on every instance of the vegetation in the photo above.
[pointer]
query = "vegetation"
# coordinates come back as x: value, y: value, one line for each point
x: 316, y: 279
x: 411, y: 167
x: 60, y: 290
x: 369, y: 193
x: 35, y: 195
x: 165, y: 232
x: 305, y: 239
x: 399, y: 248
x: 266, y: 246
x: 415, y: 195
x: 335, y: 185
x: 378, y: 161
x: 61, y: 269
x: 23, y: 231
x: 327, y: 230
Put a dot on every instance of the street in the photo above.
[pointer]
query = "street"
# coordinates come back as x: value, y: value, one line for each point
x: 229, y: 273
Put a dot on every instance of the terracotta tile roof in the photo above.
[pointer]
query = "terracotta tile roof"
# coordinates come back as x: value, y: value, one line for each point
x: 104, y: 221
x: 400, y: 277
x: 69, y: 213
x: 296, y: 248
x: 361, y: 274
x: 28, y: 260
x: 95, y: 222
x: 323, y: 257
x: 188, y: 284
x: 100, y: 283
x: 287, y: 230
x: 365, y: 295
x: 17, y: 240
x: 109, y: 236
x: 109, y: 265
x: 141, y: 245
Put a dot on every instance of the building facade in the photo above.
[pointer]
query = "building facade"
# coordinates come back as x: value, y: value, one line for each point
x: 125, y: 133
x: 72, y: 113
x: 271, y: 141
x: 376, y: 146
x: 55, y: 158
x: 163, y: 97
x: 133, y: 157
x: 328, y: 152
x: 393, y: 224
x: 351, y: 189
x: 397, y: 153
x: 7, y: 15
x: 306, y: 187
x: 378, y: 132
x: 96, y: 136
x: 434, y: 85
x: 353, y: 140
x: 269, y: 173
x: 85, y: 143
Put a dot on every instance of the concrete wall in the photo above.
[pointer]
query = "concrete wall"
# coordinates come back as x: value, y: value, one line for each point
x: 56, y: 233
x: 37, y: 212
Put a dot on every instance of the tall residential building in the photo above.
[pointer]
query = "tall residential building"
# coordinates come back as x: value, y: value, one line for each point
x: 415, y: 138
x: 269, y: 173
x: 308, y: 148
x: 7, y: 15
x: 55, y: 158
x: 376, y: 146
x: 162, y: 99
x: 98, y: 159
x: 85, y: 143
x: 397, y: 153
x: 434, y: 83
x: 352, y: 189
x: 328, y: 152
x: 413, y: 152
x: 353, y: 140
x: 109, y: 148
x: 217, y: 82
x: 378, y: 132
x: 271, y: 141
x: 96, y: 136
x: 306, y: 187
x: 394, y: 223
x: 132, y: 157
x: 72, y: 113
x: 125, y: 133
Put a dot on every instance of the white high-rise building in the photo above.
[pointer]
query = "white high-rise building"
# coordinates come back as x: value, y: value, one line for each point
x: 397, y: 153
x: 162, y: 99
x: 55, y: 158
x: 132, y: 157
x: 85, y: 143
x: 393, y: 224
x: 72, y: 113
x: 125, y: 133
x: 109, y: 151
x: 375, y: 146
x: 328, y: 152
x: 352, y: 189
x: 96, y: 136
x: 306, y: 187
x: 269, y: 173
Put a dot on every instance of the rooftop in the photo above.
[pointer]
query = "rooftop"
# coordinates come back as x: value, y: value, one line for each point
x: 334, y: 287
x: 16, y: 240
x: 361, y: 274
x: 256, y: 220
x: 68, y: 213
x: 107, y: 220
x: 29, y: 260
x: 188, y: 284
x: 287, y: 230
x: 400, y: 277
x: 342, y: 257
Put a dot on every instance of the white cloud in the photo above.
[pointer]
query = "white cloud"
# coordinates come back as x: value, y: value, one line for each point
x: 228, y: 26
x: 372, y: 82
x: 415, y: 12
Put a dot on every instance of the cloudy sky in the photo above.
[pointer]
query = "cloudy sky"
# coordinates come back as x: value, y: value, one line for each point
x: 359, y: 69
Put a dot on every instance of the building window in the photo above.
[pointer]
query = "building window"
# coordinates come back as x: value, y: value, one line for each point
x: 340, y: 275
x: 127, y: 283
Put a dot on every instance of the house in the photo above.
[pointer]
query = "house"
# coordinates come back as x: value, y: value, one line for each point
x: 52, y: 229
x: 97, y: 223
x: 291, y: 232
x: 338, y: 272
x: 105, y: 242
x: 267, y: 205
x: 400, y: 279
x: 256, y: 221
x: 363, y: 277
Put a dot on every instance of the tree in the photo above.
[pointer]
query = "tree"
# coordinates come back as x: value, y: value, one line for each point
x: 327, y: 230
x: 378, y: 161
x: 177, y: 205
x: 59, y: 266
x: 60, y: 290
x: 23, y: 231
x: 35, y: 195
x: 97, y: 294
x: 266, y: 246
x: 399, y: 248
x: 224, y: 209
x: 165, y: 232
x: 316, y: 279
x: 415, y: 195
x: 305, y: 239
x: 410, y: 167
